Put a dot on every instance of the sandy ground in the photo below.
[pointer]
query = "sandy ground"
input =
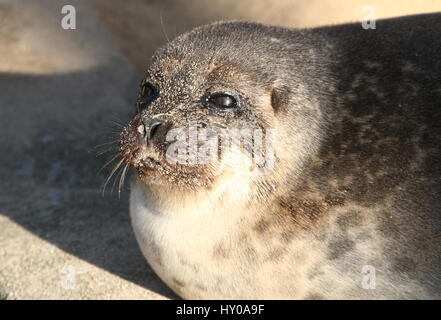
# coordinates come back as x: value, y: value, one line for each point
x: 61, y: 92
x: 138, y: 30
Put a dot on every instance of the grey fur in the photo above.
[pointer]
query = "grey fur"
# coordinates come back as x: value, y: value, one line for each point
x: 361, y: 184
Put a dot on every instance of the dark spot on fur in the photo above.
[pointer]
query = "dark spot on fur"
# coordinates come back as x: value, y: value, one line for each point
x: 250, y: 253
x: 286, y: 236
x: 201, y: 287
x: 219, y: 251
x: 349, y: 219
x: 339, y: 247
x: 304, y: 212
x: 405, y: 264
x: 314, y: 296
x: 185, y: 263
x: 262, y: 226
x: 275, y: 254
x: 364, y: 236
x: 3, y: 293
x: 178, y: 283
x: 335, y: 199
x: 315, y: 272
x: 387, y: 225
x: 156, y: 252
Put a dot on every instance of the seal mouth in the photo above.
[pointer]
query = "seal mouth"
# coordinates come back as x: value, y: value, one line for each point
x: 143, y: 158
x: 150, y: 162
x: 149, y: 165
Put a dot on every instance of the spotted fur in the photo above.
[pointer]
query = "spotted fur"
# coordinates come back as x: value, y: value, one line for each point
x: 357, y: 176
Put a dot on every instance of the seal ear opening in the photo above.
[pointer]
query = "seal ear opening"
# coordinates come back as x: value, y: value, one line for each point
x: 279, y: 98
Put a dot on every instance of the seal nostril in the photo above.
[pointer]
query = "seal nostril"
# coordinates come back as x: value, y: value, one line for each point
x: 154, y: 128
x: 151, y: 127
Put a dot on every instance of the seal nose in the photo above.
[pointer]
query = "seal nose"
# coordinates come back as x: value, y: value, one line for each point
x: 150, y: 127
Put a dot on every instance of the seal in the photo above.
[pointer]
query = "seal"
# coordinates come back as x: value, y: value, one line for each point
x: 274, y: 163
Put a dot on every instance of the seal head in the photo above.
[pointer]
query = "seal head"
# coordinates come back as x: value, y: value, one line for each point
x: 206, y: 83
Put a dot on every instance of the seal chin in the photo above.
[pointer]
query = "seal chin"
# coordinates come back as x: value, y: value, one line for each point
x: 152, y: 168
x: 153, y: 171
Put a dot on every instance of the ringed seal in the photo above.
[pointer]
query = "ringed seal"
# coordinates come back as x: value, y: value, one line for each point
x: 331, y: 190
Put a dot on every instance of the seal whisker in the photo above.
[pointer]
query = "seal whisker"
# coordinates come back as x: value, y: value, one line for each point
x: 112, y: 133
x: 118, y: 124
x: 119, y: 172
x: 111, y: 175
x: 122, y: 179
x: 116, y: 118
x: 162, y: 27
x: 105, y: 144
x: 108, y: 162
x: 104, y: 151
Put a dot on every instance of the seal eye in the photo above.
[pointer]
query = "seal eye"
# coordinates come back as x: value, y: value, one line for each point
x: 148, y: 94
x: 221, y: 100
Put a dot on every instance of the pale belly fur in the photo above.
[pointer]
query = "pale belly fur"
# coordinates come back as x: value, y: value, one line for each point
x: 203, y: 251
